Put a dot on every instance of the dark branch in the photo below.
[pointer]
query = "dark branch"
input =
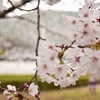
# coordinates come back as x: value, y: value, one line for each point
x: 5, y: 12
x: 71, y: 44
x: 87, y: 46
x: 38, y: 42
x: 21, y: 8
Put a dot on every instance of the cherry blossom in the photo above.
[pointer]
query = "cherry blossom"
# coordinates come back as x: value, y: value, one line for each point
x: 63, y: 65
x: 91, y: 61
x: 63, y: 82
x: 75, y: 55
x: 61, y: 71
x: 46, y: 78
x: 91, y: 4
x: 33, y: 89
x: 10, y: 91
x: 96, y: 15
x: 85, y: 13
x: 83, y: 55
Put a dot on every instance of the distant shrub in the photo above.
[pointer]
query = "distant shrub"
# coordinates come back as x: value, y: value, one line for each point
x: 19, y: 80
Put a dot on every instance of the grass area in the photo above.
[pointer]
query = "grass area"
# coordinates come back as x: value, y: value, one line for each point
x: 81, y: 93
x: 19, y: 80
x: 14, y: 79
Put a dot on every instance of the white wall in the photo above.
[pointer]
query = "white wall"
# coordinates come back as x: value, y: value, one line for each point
x: 17, y: 67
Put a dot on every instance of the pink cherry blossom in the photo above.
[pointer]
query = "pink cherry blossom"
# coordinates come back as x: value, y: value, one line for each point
x: 33, y: 89
x: 91, y: 4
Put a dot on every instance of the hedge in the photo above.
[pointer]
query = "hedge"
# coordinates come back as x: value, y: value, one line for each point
x: 19, y: 80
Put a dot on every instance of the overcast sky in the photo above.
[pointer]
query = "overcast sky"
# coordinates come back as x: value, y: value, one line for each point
x: 64, y: 5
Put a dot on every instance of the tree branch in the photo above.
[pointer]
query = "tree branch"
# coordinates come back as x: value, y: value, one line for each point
x: 5, y: 12
x: 38, y: 42
x: 21, y: 8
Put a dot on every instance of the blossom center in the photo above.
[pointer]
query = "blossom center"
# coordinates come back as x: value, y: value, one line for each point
x: 73, y: 22
x: 86, y: 15
x: 45, y: 66
x: 60, y: 69
x: 85, y: 33
x: 77, y: 59
x: 98, y: 20
x: 86, y: 25
x: 94, y: 59
x: 50, y: 47
x: 52, y: 58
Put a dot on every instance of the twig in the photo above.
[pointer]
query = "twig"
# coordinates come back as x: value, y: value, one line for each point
x: 71, y: 44
x: 87, y: 46
x: 1, y: 88
x: 38, y: 41
x: 21, y: 8
x: 66, y: 47
x: 3, y: 13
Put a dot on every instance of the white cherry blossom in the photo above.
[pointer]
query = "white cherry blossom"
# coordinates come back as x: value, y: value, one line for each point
x: 60, y: 71
x: 10, y: 91
x: 91, y: 61
x: 83, y: 54
x: 33, y: 89
x: 74, y: 54
x: 46, y: 78
x: 96, y: 15
x: 91, y: 4
x: 85, y: 13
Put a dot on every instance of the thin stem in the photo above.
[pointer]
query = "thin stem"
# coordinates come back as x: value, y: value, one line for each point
x: 37, y: 46
x: 38, y: 41
x: 1, y: 88
x: 21, y: 8
x: 71, y: 44
x: 4, y: 12
x: 38, y: 28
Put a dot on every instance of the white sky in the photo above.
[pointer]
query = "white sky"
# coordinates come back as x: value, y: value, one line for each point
x: 64, y: 5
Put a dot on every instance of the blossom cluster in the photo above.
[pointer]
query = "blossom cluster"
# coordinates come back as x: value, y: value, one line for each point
x: 83, y: 54
x: 64, y: 64
x: 12, y: 93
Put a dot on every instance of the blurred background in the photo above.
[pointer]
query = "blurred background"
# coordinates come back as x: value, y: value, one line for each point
x: 18, y: 34
x: 18, y: 37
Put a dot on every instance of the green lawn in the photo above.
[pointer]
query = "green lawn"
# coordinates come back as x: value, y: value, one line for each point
x: 19, y: 80
x: 77, y: 93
